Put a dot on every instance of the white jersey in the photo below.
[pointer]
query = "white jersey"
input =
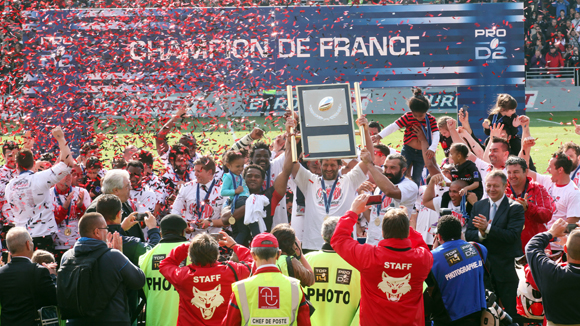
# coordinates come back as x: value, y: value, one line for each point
x: 344, y: 194
x: 154, y: 183
x: 144, y: 199
x: 29, y: 196
x: 6, y: 174
x: 276, y: 166
x: 186, y: 204
x: 426, y: 217
x: 170, y: 179
x: 409, y: 191
x: 566, y: 198
x: 68, y: 229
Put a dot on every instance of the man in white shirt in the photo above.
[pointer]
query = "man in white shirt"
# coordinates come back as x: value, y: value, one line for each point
x: 564, y: 192
x: 142, y: 197
x: 29, y: 196
x: 178, y: 171
x: 7, y: 172
x: 460, y: 207
x: 394, y: 189
x: 199, y: 202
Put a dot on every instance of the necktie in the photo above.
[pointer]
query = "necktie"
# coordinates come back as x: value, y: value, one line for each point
x: 492, y: 213
x: 204, y: 187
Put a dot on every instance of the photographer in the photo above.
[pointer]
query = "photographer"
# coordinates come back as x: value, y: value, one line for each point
x: 456, y: 280
x: 204, y: 286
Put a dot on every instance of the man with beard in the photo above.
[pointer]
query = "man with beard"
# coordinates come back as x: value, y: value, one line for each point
x: 330, y: 194
x: 395, y: 190
x: 537, y: 203
x: 150, y: 178
x: 460, y: 206
x: 7, y: 172
x: 178, y: 172
x: 573, y: 152
x: 254, y: 176
x: 199, y: 202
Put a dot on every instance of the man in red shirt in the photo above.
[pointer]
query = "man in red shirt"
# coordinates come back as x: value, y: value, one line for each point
x: 554, y: 60
x: 538, y: 204
x: 267, y: 295
x: 205, y: 285
x: 392, y: 273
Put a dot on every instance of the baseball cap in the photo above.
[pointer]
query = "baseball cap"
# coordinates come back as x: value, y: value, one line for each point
x: 173, y: 222
x: 264, y: 240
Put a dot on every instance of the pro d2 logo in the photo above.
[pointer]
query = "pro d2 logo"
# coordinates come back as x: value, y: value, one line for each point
x: 491, y: 47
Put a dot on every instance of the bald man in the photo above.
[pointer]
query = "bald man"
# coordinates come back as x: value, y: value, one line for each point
x: 558, y: 283
x: 19, y: 305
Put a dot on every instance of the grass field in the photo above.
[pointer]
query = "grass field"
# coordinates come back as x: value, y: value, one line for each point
x: 550, y: 129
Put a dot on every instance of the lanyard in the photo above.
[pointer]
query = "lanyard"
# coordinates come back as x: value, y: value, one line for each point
x: 268, y: 180
x: 379, y: 206
x: 179, y: 179
x: 496, y: 120
x: 235, y: 187
x: 328, y: 199
x: 463, y: 207
x: 523, y: 193
x: 427, y: 129
x: 24, y: 172
x: 573, y: 174
x: 200, y: 211
x: 60, y: 202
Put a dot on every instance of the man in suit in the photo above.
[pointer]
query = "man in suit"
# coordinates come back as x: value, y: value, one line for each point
x: 25, y: 287
x: 497, y: 223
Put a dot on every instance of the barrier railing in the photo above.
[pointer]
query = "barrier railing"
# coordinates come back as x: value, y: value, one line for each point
x: 553, y: 73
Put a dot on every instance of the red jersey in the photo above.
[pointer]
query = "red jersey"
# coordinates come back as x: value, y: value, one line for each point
x: 392, y: 274
x: 408, y: 120
x: 234, y: 317
x: 203, y: 290
x: 539, y: 212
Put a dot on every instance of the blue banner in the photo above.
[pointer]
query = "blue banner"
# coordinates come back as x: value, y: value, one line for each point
x: 256, y: 49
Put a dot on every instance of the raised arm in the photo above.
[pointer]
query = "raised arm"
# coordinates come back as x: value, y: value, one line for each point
x: 65, y: 154
x: 281, y: 182
x: 494, y: 131
x: 161, y: 137
x: 430, y: 191
x: 527, y: 145
x: 388, y: 188
x: 370, y: 147
x: 248, y: 139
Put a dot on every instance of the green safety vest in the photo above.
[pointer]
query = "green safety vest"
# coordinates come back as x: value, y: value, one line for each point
x: 335, y: 293
x: 162, y: 298
x: 268, y: 299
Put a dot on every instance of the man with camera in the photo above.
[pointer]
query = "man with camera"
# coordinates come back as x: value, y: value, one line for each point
x: 110, y: 207
x: 558, y: 283
x: 456, y: 280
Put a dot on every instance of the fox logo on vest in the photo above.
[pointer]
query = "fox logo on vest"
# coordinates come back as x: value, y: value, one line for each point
x: 207, y: 301
x: 395, y: 287
x: 268, y: 297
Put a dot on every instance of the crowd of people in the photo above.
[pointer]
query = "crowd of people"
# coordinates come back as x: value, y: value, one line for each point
x: 552, y: 35
x: 387, y: 238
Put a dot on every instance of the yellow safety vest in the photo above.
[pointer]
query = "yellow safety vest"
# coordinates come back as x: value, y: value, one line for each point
x: 162, y: 298
x: 335, y: 293
x: 283, y: 265
x: 268, y: 299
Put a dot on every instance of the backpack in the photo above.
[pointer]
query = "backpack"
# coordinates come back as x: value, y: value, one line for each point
x: 79, y: 291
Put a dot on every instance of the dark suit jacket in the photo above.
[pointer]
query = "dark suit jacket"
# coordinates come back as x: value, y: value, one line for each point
x: 25, y: 287
x: 503, y: 242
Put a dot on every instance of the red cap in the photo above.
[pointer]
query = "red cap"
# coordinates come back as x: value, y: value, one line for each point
x: 264, y: 240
